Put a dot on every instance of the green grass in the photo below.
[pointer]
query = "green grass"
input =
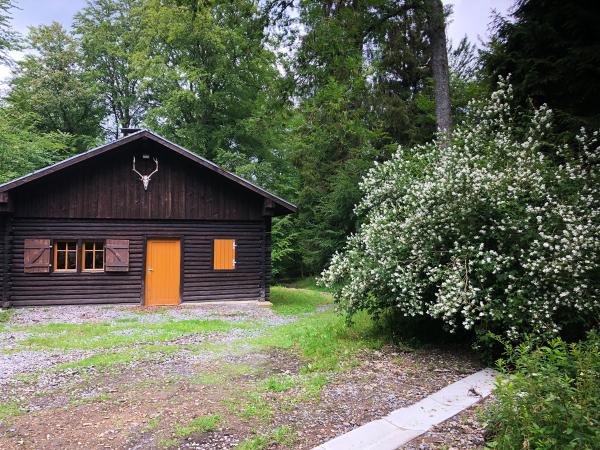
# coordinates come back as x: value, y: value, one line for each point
x: 308, y: 283
x: 250, y: 406
x: 314, y: 383
x: 89, y: 400
x: 89, y: 336
x: 283, y: 435
x: 279, y: 383
x: 199, y: 425
x: 5, y: 315
x: 288, y: 301
x: 8, y: 410
x: 151, y: 425
x: 324, y: 340
x: 127, y: 320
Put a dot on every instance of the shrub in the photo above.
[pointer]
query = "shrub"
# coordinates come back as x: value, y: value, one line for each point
x: 495, y: 230
x: 552, y: 400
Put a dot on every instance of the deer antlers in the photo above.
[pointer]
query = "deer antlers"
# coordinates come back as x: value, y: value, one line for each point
x: 146, y: 178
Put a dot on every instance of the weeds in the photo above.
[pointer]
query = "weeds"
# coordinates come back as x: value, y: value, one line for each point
x: 279, y: 383
x: 251, y: 406
x: 5, y: 315
x: 199, y: 425
x: 8, y: 410
x: 89, y: 400
x: 152, y: 424
x: 551, y: 400
x: 283, y: 435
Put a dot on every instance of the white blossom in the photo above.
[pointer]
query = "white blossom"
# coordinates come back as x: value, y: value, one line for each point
x: 487, y: 232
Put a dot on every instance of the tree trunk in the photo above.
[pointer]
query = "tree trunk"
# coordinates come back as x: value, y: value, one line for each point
x: 439, y: 65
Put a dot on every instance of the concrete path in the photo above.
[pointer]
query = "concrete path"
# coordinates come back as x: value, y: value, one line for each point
x: 405, y: 424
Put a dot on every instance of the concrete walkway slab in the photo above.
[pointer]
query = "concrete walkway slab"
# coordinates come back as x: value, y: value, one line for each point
x: 405, y: 424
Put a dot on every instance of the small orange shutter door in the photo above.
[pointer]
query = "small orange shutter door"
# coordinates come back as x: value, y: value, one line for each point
x: 224, y: 254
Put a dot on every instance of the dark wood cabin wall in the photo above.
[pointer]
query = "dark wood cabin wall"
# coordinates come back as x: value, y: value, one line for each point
x: 267, y: 252
x: 5, y: 239
x: 105, y: 187
x: 2, y: 259
x: 200, y: 281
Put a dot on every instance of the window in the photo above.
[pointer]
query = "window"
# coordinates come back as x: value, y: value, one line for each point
x: 224, y: 254
x: 65, y: 256
x: 93, y: 256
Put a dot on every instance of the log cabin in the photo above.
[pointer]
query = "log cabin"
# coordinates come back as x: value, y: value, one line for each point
x: 140, y: 220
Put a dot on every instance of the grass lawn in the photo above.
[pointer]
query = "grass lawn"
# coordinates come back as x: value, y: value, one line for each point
x: 290, y: 301
x: 240, y: 377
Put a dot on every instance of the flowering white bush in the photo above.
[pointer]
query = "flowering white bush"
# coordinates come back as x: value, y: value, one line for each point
x: 495, y: 231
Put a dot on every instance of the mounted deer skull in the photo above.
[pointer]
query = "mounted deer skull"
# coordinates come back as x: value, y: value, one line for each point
x: 146, y: 178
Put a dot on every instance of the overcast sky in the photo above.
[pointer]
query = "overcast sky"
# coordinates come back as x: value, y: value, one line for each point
x: 471, y: 17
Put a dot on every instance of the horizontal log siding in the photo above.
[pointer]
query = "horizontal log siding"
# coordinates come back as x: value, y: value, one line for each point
x: 4, y: 258
x: 268, y: 264
x: 200, y: 281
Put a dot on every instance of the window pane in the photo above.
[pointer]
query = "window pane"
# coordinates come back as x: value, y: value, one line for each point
x: 99, y: 259
x: 61, y: 245
x: 89, y: 258
x: 60, y: 260
x: 72, y: 260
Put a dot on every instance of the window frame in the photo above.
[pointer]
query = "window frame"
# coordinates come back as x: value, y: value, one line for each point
x: 94, y: 251
x: 55, y: 251
x: 235, y: 247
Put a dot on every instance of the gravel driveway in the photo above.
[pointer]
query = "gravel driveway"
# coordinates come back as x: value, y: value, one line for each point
x: 16, y: 359
x: 127, y: 377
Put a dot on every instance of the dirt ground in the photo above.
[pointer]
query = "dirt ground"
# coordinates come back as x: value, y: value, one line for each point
x: 263, y: 397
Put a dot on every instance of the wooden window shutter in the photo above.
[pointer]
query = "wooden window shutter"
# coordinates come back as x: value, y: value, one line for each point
x: 37, y: 256
x: 224, y: 254
x: 116, y: 257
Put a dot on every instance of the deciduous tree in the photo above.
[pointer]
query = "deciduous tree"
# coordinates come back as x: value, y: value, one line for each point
x: 53, y: 90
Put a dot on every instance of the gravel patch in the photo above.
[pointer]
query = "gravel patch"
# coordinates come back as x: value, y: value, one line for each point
x: 15, y: 359
x: 22, y: 362
x: 78, y: 314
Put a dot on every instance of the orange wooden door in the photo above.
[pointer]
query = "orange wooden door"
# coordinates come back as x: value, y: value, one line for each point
x: 163, y: 261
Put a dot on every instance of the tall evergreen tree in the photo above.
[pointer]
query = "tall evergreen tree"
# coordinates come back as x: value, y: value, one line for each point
x: 361, y: 69
x: 439, y: 64
x: 551, y: 49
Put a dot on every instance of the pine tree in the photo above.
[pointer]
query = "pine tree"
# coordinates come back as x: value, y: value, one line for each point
x: 551, y: 49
